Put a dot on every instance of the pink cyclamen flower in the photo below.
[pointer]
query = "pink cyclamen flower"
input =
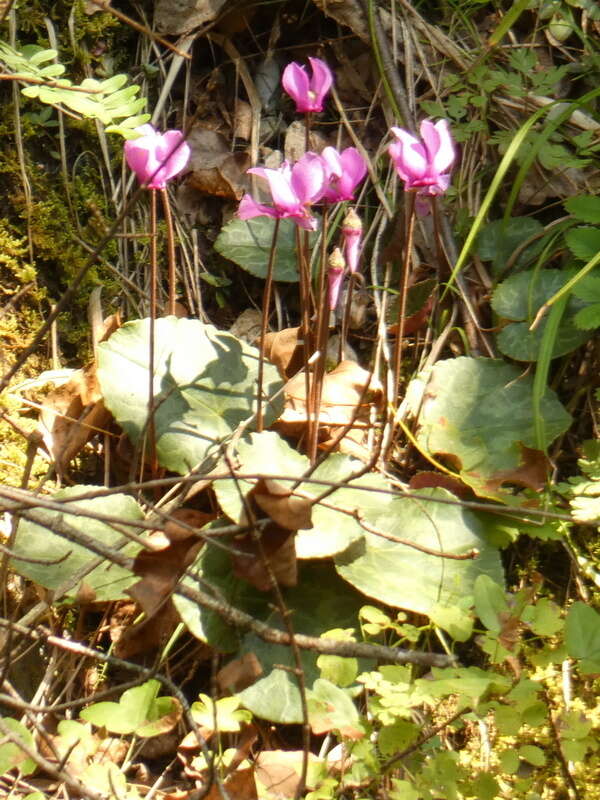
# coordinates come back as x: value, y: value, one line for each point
x: 352, y: 233
x: 157, y: 157
x: 424, y: 164
x: 335, y: 277
x: 293, y: 189
x: 344, y: 172
x: 308, y: 95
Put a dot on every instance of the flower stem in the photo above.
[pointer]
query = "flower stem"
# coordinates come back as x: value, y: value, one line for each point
x: 322, y: 328
x: 408, y: 240
x: 151, y: 428
x: 170, y: 250
x: 304, y: 279
x: 266, y: 306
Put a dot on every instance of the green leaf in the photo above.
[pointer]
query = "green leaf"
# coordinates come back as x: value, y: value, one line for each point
x: 225, y: 715
x: 471, y: 684
x: 477, y: 414
x: 393, y: 572
x: 66, y: 558
x: 213, y: 568
x: 204, y: 386
x: 584, y: 243
x: 585, y: 208
x: 320, y: 602
x: 139, y: 711
x: 337, y: 669
x: 454, y: 619
x: 397, y: 736
x: 11, y: 755
x: 588, y: 318
x: 509, y: 761
x: 534, y: 755
x: 267, y: 454
x: 582, y: 637
x: 498, y: 240
x: 331, y: 709
x: 519, y: 298
x: 490, y: 602
x: 543, y: 618
x: 248, y: 244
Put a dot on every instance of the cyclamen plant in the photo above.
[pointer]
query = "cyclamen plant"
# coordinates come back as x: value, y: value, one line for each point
x: 157, y: 158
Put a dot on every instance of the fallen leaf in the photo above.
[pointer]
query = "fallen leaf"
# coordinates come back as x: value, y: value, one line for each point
x: 284, y: 349
x: 277, y: 773
x: 349, y: 393
x: 239, y: 673
x: 279, y: 503
x: 71, y: 415
x: 239, y: 785
x: 214, y: 169
x: 175, y: 17
x: 277, y: 545
x: 176, y: 547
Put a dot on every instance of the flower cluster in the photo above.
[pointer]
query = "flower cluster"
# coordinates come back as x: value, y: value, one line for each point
x: 330, y: 177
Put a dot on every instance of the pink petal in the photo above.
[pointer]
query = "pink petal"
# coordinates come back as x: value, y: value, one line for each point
x: 137, y: 156
x: 411, y: 158
x: 446, y: 153
x: 320, y: 83
x: 249, y: 208
x: 308, y: 178
x: 332, y: 162
x: 355, y: 169
x: 295, y: 82
x: 279, y: 185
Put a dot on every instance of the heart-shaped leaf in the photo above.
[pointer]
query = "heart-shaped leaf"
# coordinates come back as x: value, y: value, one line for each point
x: 65, y: 558
x: 205, y: 384
x: 476, y: 413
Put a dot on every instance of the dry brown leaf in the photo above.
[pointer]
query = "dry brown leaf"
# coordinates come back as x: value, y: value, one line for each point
x: 247, y: 325
x: 71, y: 415
x: 282, y: 506
x: 277, y: 773
x: 214, y: 169
x: 277, y: 545
x: 176, y: 17
x: 434, y: 480
x: 240, y: 673
x: 341, y: 405
x: 295, y: 141
x: 175, y: 548
x: 284, y: 350
x: 239, y: 785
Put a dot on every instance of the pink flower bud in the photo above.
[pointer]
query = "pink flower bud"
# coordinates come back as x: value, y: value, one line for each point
x: 156, y: 157
x: 352, y: 233
x: 335, y: 276
x: 308, y: 95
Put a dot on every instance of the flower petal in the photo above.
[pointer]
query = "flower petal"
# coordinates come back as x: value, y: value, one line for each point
x: 308, y: 178
x: 249, y: 208
x: 446, y: 153
x: 320, y: 83
x: 295, y: 82
x: 279, y: 185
